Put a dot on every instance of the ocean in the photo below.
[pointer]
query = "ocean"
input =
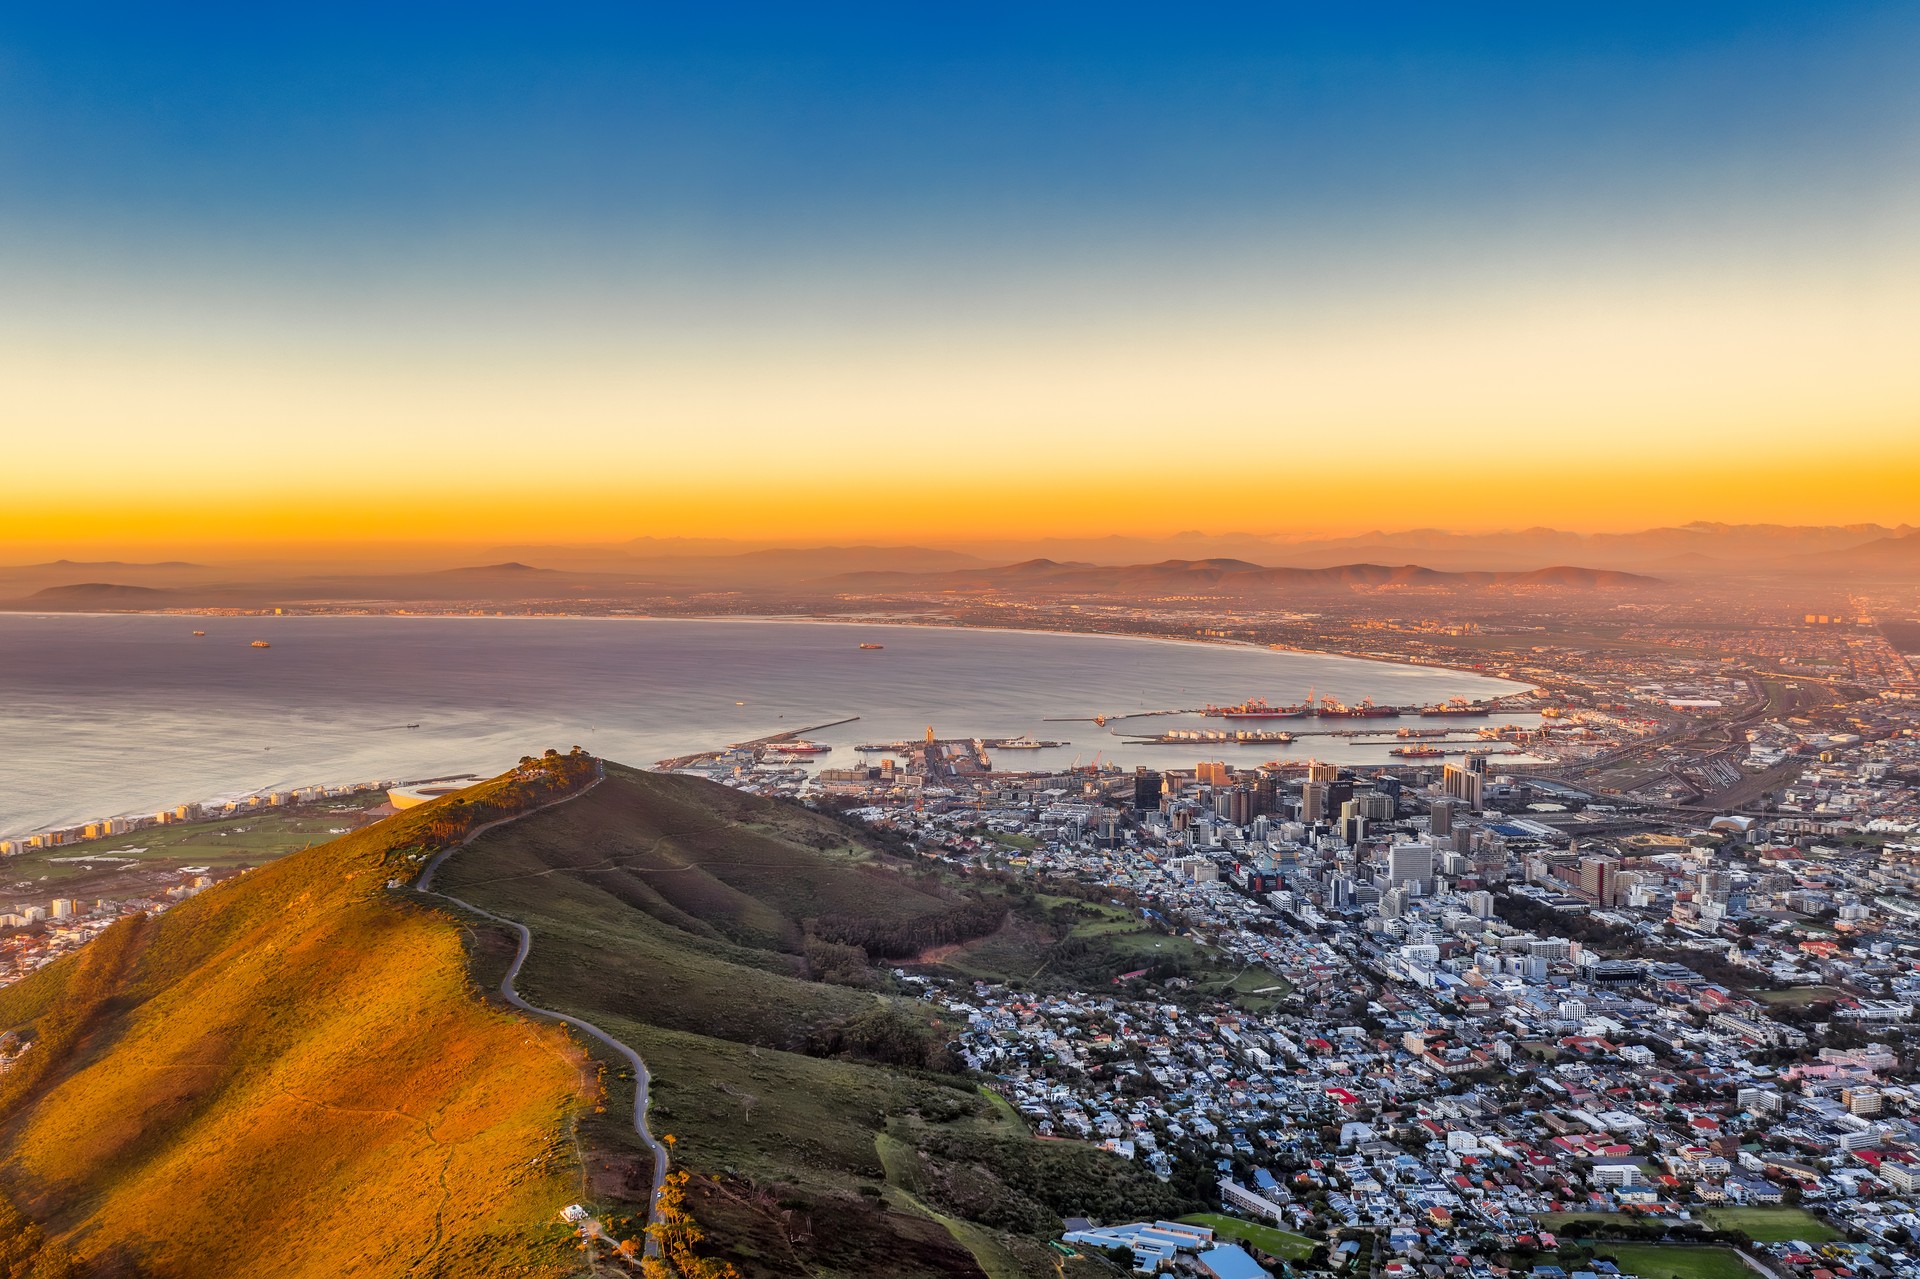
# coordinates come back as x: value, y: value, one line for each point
x: 111, y: 715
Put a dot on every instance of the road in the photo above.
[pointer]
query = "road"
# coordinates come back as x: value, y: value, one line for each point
x: 641, y: 1078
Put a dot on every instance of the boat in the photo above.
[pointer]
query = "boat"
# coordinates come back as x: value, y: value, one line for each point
x: 1456, y: 706
x: 261, y: 644
x: 1257, y: 708
x: 1417, y: 752
x: 873, y: 646
x: 1333, y: 708
x: 1422, y: 732
x: 799, y: 748
x: 200, y: 633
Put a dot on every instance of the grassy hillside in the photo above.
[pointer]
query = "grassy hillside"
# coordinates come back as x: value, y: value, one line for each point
x: 742, y: 946
x: 291, y: 1073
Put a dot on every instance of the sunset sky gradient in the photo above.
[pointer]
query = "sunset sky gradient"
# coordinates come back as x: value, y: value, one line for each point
x: 909, y: 272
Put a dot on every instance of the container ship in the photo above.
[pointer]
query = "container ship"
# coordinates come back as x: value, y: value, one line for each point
x: 1333, y: 708
x: 1257, y: 708
x: 1417, y: 752
x: 1457, y: 706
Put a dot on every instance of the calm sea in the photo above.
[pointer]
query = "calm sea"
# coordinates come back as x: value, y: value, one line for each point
x: 108, y: 715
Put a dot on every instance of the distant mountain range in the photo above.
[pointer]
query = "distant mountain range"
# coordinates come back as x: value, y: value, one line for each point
x: 1224, y: 576
x: 1197, y: 561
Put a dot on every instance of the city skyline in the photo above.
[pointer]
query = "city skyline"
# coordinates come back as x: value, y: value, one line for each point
x: 875, y: 277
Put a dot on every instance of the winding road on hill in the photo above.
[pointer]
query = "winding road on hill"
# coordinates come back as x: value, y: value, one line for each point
x: 641, y: 1078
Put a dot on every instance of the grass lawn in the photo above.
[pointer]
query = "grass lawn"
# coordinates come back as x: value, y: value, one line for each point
x: 1268, y: 1239
x: 1661, y: 1261
x: 1775, y: 1224
x: 252, y: 837
x: 1794, y: 996
x: 1557, y: 1221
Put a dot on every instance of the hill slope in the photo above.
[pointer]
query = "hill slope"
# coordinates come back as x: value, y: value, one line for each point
x: 292, y: 1073
x: 744, y: 947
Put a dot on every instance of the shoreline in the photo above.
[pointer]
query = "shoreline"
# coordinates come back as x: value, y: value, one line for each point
x: 225, y: 795
x: 792, y: 619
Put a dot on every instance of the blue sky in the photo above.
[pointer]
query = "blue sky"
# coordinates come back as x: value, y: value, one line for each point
x: 339, y: 195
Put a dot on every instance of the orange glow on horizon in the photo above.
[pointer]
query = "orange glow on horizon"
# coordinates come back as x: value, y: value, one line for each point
x: 875, y: 508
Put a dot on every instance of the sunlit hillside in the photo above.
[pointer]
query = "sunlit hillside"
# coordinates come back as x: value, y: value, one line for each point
x: 294, y: 1074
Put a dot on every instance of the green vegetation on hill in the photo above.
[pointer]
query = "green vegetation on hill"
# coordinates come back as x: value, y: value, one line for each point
x: 291, y: 1073
x: 741, y: 945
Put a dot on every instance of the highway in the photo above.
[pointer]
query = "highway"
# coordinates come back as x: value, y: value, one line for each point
x: 641, y: 1078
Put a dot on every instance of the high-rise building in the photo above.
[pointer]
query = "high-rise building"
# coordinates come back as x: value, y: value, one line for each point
x: 1599, y: 880
x: 1313, y: 802
x: 1442, y: 812
x: 1213, y: 772
x: 1374, y: 806
x: 1410, y: 864
x: 1318, y: 772
x: 1147, y: 787
x: 1481, y: 904
x: 1465, y: 782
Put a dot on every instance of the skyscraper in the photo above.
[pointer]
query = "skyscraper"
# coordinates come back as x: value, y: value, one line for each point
x: 1410, y: 864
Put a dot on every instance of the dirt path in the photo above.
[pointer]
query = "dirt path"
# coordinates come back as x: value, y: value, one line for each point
x: 641, y: 1078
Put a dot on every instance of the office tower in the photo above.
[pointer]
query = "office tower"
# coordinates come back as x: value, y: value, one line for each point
x: 1442, y: 811
x: 1147, y: 786
x: 1410, y: 864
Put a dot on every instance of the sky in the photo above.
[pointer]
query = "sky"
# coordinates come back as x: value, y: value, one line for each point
x: 359, y: 273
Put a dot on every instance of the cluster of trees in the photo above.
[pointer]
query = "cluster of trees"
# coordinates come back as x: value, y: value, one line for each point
x: 903, y: 938
x: 1060, y: 1177
x: 837, y: 964
x: 679, y: 1237
x: 883, y: 1033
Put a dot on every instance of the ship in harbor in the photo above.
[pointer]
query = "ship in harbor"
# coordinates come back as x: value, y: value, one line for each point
x: 1333, y: 708
x: 1457, y: 706
x: 1417, y: 752
x: 1257, y: 708
x: 1024, y: 742
x: 798, y: 747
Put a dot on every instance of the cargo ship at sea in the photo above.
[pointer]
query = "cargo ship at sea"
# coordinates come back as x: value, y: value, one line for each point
x: 1257, y: 708
x: 873, y: 646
